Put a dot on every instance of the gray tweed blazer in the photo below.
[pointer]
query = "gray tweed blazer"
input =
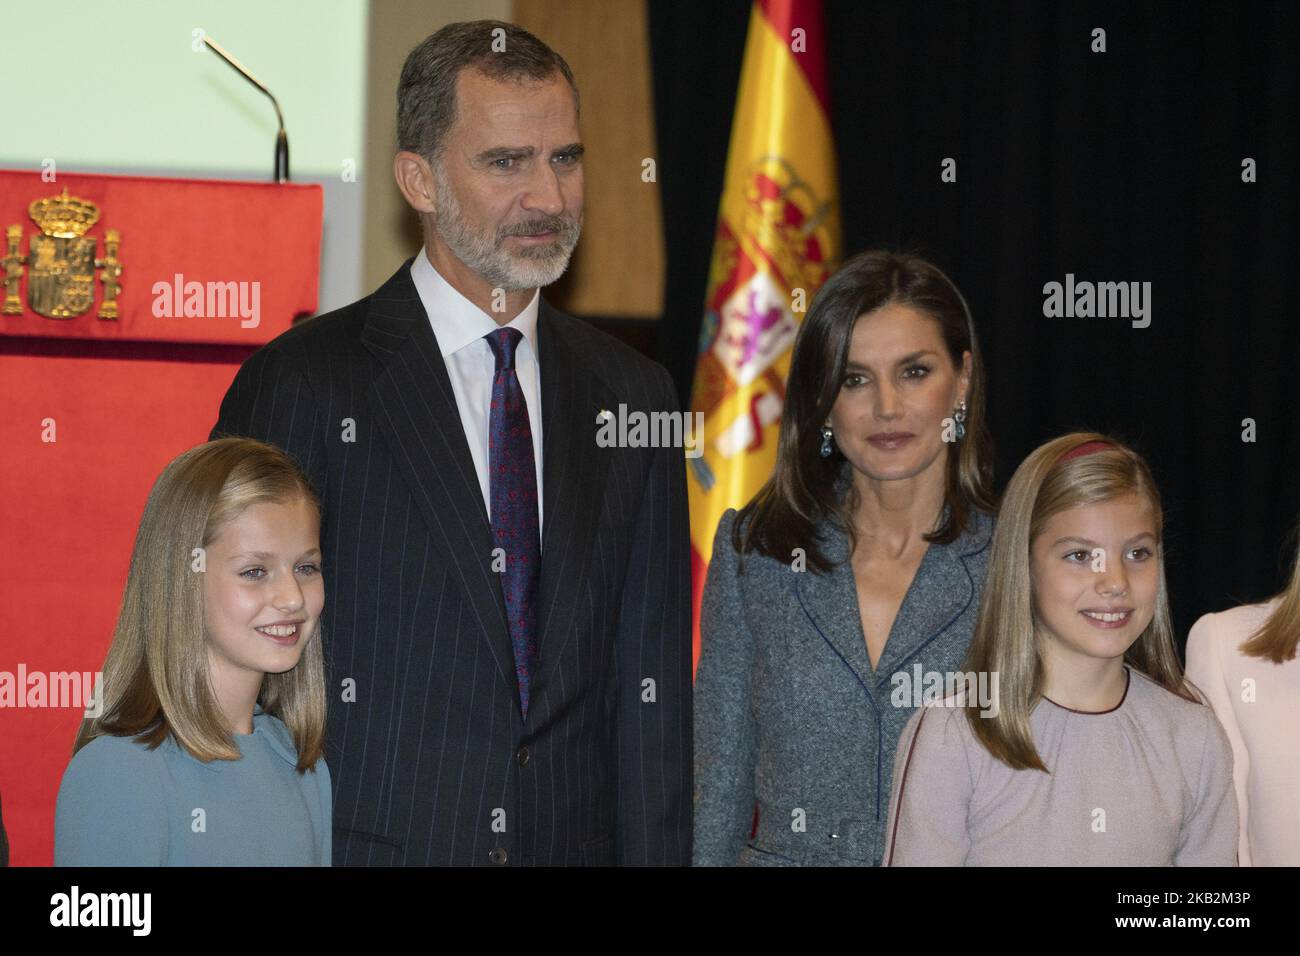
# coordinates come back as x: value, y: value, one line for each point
x: 789, y: 714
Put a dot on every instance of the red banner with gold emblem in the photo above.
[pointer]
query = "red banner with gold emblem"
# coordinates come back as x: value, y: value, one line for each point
x: 139, y: 258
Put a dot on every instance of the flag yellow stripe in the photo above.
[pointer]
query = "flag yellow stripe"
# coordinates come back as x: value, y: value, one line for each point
x: 778, y: 116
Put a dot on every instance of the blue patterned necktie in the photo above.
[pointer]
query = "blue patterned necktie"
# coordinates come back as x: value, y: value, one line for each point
x: 513, y: 489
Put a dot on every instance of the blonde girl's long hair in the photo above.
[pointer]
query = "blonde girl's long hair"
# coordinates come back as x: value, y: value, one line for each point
x: 155, y: 679
x: 1004, y: 641
x: 1278, y: 638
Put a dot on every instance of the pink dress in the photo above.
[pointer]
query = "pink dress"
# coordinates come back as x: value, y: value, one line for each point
x: 1258, y: 703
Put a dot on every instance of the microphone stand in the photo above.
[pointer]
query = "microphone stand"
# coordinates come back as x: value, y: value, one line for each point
x: 282, y: 138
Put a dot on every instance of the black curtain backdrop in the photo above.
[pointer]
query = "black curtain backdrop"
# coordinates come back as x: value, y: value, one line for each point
x: 1115, y: 166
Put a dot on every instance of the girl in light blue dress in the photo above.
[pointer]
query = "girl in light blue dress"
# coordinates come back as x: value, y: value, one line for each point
x: 207, y: 749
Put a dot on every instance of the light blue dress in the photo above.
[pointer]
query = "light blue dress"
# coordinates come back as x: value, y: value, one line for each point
x: 121, y: 804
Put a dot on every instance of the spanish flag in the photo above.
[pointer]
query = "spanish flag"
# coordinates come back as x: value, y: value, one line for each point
x: 778, y: 238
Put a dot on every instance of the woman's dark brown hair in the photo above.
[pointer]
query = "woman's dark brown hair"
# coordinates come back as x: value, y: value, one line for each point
x: 805, y: 488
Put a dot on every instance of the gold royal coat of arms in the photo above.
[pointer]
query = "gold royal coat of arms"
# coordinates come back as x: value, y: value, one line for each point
x: 62, y: 261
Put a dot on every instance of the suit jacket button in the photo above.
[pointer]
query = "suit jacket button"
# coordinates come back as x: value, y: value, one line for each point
x: 498, y: 856
x: 521, y: 755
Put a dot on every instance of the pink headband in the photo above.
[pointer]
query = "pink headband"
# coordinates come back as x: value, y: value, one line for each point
x: 1087, y: 448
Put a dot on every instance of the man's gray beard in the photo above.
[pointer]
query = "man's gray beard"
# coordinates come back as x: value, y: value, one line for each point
x: 531, y: 267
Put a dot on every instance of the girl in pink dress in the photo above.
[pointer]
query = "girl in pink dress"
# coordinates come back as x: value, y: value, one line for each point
x: 1245, y: 661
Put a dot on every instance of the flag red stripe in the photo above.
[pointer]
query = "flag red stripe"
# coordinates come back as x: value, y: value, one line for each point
x: 787, y: 15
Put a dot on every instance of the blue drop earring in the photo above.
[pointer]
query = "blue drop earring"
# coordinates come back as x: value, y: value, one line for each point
x: 959, y: 416
x: 826, y: 448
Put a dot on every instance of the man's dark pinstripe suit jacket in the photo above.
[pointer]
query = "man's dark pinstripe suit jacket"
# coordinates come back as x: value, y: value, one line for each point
x: 433, y: 763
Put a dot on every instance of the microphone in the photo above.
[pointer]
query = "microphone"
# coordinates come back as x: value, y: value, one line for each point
x: 281, y: 174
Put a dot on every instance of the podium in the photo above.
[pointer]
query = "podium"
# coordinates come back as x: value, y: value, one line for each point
x: 128, y: 305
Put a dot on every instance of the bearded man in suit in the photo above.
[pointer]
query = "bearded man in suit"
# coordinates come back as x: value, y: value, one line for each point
x: 507, y: 622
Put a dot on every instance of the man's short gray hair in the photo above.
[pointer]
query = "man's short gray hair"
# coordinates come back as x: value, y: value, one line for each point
x: 426, y: 93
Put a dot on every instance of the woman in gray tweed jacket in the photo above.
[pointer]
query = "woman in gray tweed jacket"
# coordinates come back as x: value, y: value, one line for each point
x: 844, y: 594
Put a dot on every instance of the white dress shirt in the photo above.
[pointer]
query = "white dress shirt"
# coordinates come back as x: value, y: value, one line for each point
x: 460, y: 326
